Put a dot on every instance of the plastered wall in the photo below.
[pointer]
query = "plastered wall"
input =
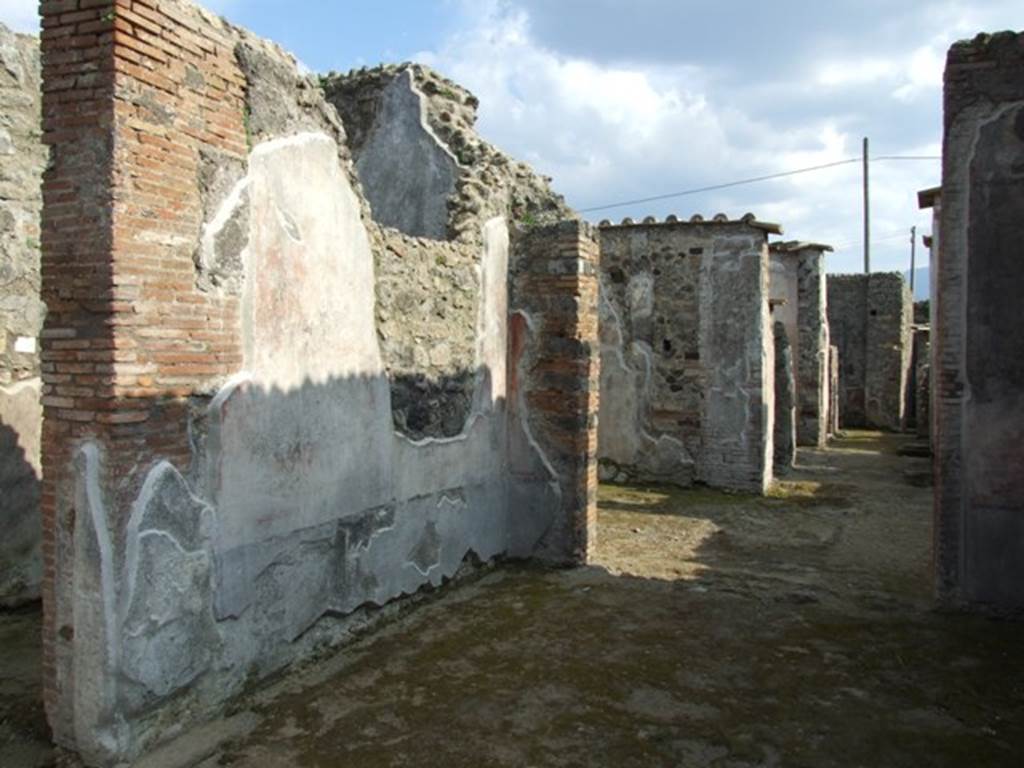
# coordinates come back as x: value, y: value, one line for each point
x: 687, y: 353
x: 22, y: 159
x: 229, y: 485
x: 978, y: 342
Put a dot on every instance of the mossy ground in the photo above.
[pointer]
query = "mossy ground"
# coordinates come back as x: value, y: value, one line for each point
x: 713, y: 629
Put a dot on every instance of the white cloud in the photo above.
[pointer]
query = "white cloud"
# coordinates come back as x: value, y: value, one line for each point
x: 20, y: 15
x: 612, y: 132
x: 838, y: 74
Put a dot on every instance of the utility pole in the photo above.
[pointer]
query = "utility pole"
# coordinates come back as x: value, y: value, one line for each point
x: 867, y: 213
x: 913, y: 255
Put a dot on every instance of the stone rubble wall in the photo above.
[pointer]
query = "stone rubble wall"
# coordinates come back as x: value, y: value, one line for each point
x: 685, y: 354
x: 238, y: 469
x: 22, y: 159
x: 978, y: 333
x: 428, y: 300
x: 870, y: 321
x: 890, y: 347
x: 922, y: 381
x: 785, y: 401
x: 430, y: 179
x: 486, y: 181
x: 799, y: 300
x: 833, y: 391
x: 813, y: 399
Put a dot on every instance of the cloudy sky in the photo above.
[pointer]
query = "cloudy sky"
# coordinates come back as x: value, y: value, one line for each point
x: 626, y: 99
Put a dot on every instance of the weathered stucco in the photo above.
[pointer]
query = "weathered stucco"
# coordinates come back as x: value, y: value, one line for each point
x: 440, y: 121
x: 22, y: 159
x: 979, y: 341
x: 304, y: 501
x: 686, y: 353
x: 798, y: 280
x: 785, y: 401
x: 870, y: 319
x: 407, y: 173
x: 428, y: 302
x: 247, y: 514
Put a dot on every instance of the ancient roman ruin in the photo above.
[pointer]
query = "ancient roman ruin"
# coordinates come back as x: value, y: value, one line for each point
x: 978, y: 343
x: 870, y: 320
x: 799, y: 298
x: 687, y: 352
x: 21, y: 318
x: 285, y: 354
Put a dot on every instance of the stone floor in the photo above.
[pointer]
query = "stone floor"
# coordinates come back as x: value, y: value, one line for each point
x: 713, y: 630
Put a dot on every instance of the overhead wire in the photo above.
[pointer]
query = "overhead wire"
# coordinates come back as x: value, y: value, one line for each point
x: 751, y: 180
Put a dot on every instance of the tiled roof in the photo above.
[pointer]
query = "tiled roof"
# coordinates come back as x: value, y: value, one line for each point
x: 719, y: 218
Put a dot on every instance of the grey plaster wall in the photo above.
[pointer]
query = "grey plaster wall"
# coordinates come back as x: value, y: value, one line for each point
x: 813, y: 398
x: 922, y: 382
x: 407, y: 173
x: 799, y: 298
x: 978, y: 330
x: 833, y: 391
x: 305, y: 508
x: 870, y: 320
x: 737, y: 422
x: 488, y: 182
x: 685, y: 354
x: 304, y: 503
x: 783, y: 287
x: 785, y: 401
x: 22, y: 159
x: 890, y: 348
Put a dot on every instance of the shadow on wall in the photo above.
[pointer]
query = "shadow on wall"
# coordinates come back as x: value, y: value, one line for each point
x: 431, y: 406
x: 299, y: 507
x: 20, y: 562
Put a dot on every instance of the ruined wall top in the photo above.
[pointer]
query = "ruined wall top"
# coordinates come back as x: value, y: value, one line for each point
x: 798, y: 246
x: 489, y: 183
x: 719, y: 219
x: 969, y: 71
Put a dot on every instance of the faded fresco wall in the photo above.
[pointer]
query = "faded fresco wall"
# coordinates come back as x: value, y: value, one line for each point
x: 870, y: 320
x: 785, y: 401
x: 22, y: 159
x: 233, y: 484
x: 430, y: 179
x: 686, y: 352
x: 978, y: 330
x: 390, y: 112
x: 798, y: 280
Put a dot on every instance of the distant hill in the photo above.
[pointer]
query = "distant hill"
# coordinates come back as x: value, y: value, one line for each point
x: 921, y: 278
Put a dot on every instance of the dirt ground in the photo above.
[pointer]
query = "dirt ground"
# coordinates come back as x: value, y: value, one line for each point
x: 24, y: 735
x: 713, y: 630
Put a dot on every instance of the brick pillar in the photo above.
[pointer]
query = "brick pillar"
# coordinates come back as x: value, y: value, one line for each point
x: 978, y: 369
x: 77, y: 348
x: 555, y: 373
x: 134, y: 90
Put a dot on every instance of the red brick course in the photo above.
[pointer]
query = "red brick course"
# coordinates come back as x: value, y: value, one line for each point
x: 555, y: 285
x: 132, y: 90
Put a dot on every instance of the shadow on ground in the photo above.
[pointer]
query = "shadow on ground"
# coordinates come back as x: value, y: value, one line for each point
x: 24, y: 735
x: 713, y: 630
